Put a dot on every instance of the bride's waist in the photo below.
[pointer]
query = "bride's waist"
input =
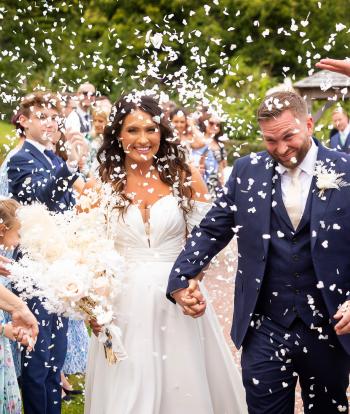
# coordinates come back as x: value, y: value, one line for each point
x: 149, y: 254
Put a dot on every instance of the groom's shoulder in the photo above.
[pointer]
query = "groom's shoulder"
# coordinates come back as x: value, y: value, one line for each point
x: 253, y: 161
x: 342, y: 159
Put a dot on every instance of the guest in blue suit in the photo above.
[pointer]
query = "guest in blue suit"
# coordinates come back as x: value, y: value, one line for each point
x: 292, y: 308
x: 36, y: 174
x: 340, y: 141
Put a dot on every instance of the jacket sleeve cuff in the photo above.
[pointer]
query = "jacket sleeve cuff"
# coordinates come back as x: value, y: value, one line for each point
x: 174, y: 285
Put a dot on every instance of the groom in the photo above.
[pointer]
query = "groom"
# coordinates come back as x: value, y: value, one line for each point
x: 292, y: 314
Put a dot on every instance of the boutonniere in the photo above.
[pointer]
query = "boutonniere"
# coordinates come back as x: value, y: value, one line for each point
x: 327, y: 178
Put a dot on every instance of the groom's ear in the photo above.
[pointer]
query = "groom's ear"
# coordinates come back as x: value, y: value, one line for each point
x: 310, y: 125
x: 3, y: 229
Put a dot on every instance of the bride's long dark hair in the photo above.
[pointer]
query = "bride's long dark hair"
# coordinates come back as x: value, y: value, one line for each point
x: 169, y: 160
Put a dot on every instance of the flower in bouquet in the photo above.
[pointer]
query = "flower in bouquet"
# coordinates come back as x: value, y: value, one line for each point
x: 71, y: 264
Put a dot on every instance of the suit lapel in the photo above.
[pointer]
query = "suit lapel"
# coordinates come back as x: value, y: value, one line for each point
x: 347, y: 142
x: 28, y: 147
x: 319, y: 204
x: 267, y: 176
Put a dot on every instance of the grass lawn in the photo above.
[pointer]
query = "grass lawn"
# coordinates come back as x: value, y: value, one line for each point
x: 76, y: 405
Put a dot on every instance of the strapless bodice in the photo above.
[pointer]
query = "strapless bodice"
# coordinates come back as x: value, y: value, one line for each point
x: 165, y: 235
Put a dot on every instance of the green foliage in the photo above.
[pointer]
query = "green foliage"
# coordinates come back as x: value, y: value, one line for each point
x: 7, y: 139
x: 229, y: 50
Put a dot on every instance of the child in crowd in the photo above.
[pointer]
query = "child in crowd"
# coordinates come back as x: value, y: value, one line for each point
x: 10, y: 400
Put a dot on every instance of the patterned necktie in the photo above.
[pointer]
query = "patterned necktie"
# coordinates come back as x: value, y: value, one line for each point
x: 293, y: 197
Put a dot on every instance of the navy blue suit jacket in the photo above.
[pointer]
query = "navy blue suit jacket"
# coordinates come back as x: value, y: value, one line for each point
x: 32, y: 178
x: 336, y: 144
x: 245, y: 209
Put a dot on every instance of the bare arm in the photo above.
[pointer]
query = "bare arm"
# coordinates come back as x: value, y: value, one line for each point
x: 22, y: 317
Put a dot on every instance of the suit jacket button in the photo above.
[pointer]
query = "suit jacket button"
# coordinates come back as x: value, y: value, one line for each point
x: 258, y: 289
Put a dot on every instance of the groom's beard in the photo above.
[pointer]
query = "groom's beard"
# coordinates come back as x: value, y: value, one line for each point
x: 294, y: 156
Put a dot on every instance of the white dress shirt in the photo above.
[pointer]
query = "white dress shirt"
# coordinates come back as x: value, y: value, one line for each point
x: 73, y: 120
x: 307, y: 167
x: 39, y: 147
x: 42, y: 148
x: 344, y: 134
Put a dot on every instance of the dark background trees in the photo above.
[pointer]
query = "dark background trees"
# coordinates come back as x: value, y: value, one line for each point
x: 230, y: 51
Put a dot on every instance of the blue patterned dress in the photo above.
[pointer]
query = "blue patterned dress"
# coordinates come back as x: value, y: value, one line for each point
x: 10, y: 398
x: 16, y: 352
x: 77, y: 348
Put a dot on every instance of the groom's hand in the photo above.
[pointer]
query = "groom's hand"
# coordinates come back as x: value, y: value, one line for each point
x: 343, y: 315
x: 191, y: 299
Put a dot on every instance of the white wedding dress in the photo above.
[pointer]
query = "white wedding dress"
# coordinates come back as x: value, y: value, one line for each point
x: 176, y: 364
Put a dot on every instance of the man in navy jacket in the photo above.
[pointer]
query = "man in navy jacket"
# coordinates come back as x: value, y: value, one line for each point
x: 289, y: 208
x: 340, y: 141
x: 37, y: 174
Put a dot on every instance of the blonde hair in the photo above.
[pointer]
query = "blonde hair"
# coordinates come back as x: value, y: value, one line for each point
x: 8, y: 210
x: 100, y: 113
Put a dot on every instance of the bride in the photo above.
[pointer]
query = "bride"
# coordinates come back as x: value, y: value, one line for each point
x: 175, y: 364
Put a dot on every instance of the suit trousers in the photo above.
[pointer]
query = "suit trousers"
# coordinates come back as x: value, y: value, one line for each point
x: 41, y: 369
x: 273, y: 358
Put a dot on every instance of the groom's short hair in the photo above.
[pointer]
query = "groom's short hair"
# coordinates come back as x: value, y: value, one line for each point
x: 273, y: 105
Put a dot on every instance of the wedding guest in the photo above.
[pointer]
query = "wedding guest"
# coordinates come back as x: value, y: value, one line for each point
x: 103, y: 103
x: 10, y: 400
x: 215, y: 156
x: 77, y: 333
x: 188, y: 134
x: 76, y: 357
x: 69, y: 104
x: 37, y: 174
x: 80, y: 120
x: 340, y: 141
x: 99, y: 122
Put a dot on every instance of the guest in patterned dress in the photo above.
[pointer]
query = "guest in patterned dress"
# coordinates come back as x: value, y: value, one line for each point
x: 10, y: 399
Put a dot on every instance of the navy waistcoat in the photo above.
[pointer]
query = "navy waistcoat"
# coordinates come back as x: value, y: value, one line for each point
x: 289, y: 289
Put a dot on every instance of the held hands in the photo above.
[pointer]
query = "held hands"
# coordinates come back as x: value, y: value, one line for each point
x: 24, y: 325
x: 19, y: 335
x: 343, y: 315
x: 191, y: 299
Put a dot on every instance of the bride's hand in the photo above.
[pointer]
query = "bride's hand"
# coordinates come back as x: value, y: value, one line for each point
x: 96, y: 328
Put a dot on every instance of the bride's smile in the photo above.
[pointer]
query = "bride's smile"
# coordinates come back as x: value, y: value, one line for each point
x: 140, y: 137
